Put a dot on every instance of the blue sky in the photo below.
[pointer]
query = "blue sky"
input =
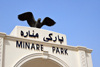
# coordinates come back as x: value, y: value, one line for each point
x: 79, y: 20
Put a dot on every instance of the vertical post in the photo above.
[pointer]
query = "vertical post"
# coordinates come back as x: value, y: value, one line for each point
x: 2, y: 35
x: 82, y: 57
x: 1, y: 52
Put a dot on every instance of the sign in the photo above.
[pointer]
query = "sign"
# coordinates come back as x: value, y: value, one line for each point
x: 39, y: 47
x: 46, y: 39
x: 39, y: 35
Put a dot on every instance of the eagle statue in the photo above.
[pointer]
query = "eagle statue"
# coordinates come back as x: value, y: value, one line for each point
x: 31, y: 21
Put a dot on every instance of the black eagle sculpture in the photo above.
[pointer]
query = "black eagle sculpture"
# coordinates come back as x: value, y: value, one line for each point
x: 31, y: 21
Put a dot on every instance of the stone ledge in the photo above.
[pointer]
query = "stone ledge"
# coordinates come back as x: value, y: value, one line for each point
x: 2, y: 34
x: 75, y: 48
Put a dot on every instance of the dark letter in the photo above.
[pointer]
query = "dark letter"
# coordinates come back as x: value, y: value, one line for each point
x: 66, y: 51
x: 41, y: 47
x: 53, y: 49
x: 27, y: 45
x: 62, y: 51
x: 57, y: 50
x: 19, y: 44
x: 33, y: 46
x: 37, y: 46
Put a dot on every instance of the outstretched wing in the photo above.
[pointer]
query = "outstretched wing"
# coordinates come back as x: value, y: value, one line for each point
x: 48, y: 21
x: 29, y: 17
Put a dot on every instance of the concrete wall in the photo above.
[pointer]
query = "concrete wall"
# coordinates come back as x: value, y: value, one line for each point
x: 15, y: 53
